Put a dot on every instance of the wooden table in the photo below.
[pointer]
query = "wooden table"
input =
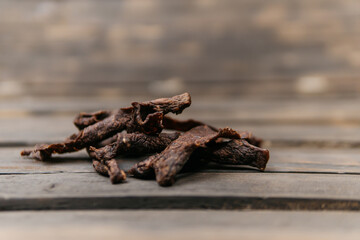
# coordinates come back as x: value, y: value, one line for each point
x: 286, y: 70
x: 313, y: 170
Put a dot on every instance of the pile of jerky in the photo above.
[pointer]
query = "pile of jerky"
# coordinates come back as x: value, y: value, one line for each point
x: 138, y: 129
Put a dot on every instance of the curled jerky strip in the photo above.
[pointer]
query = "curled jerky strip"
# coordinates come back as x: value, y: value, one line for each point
x: 84, y: 120
x: 235, y: 152
x: 143, y: 117
x: 110, y: 169
x: 134, y: 143
x: 169, y: 162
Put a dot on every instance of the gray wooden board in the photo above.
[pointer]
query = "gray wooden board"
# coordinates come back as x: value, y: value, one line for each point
x: 21, y: 131
x: 194, y: 224
x: 191, y: 191
x: 294, y: 160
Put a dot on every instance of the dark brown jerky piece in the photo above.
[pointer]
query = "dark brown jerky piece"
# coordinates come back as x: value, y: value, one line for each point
x: 144, y: 169
x: 84, y: 138
x: 134, y: 143
x: 250, y: 138
x: 148, y: 116
x: 144, y: 117
x: 235, y: 152
x: 110, y: 168
x: 169, y: 162
x: 84, y: 120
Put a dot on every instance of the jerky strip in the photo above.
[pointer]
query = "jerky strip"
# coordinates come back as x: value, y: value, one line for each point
x: 84, y: 120
x: 84, y: 138
x: 235, y: 152
x: 131, y: 119
x: 110, y: 168
x: 174, y: 104
x: 178, y: 125
x: 148, y: 116
x: 130, y: 143
x: 169, y: 162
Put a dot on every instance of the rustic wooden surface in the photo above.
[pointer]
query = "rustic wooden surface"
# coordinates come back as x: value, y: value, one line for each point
x: 286, y: 70
x: 91, y: 225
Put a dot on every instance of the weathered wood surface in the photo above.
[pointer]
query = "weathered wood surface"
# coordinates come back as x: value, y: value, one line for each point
x: 154, y: 225
x: 195, y: 191
x: 286, y: 70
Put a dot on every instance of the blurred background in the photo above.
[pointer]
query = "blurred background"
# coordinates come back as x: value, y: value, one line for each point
x: 253, y: 61
x: 124, y: 48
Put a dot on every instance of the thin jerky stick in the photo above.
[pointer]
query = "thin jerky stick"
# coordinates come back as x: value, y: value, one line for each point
x: 100, y: 168
x: 110, y: 169
x: 186, y: 125
x: 115, y: 173
x: 139, y: 143
x: 84, y: 138
x: 169, y: 162
x: 141, y: 117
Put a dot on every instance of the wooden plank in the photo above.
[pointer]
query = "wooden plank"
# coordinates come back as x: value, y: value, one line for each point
x: 333, y: 111
x: 195, y: 191
x: 89, y: 225
x: 283, y: 160
x: 27, y: 131
x: 314, y: 160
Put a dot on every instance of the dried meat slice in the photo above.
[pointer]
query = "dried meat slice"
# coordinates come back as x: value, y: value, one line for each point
x: 235, y: 152
x: 170, y: 162
x: 84, y: 120
x: 135, y: 144
x: 143, y: 117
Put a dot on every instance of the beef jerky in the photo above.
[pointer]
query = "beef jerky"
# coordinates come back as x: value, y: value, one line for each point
x: 111, y: 169
x: 169, y: 162
x: 84, y: 138
x: 235, y: 152
x: 134, y: 143
x: 143, y: 117
x: 128, y: 143
x: 84, y: 120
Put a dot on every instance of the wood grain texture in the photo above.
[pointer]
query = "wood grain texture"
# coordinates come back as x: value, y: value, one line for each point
x: 196, y: 191
x: 89, y: 225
